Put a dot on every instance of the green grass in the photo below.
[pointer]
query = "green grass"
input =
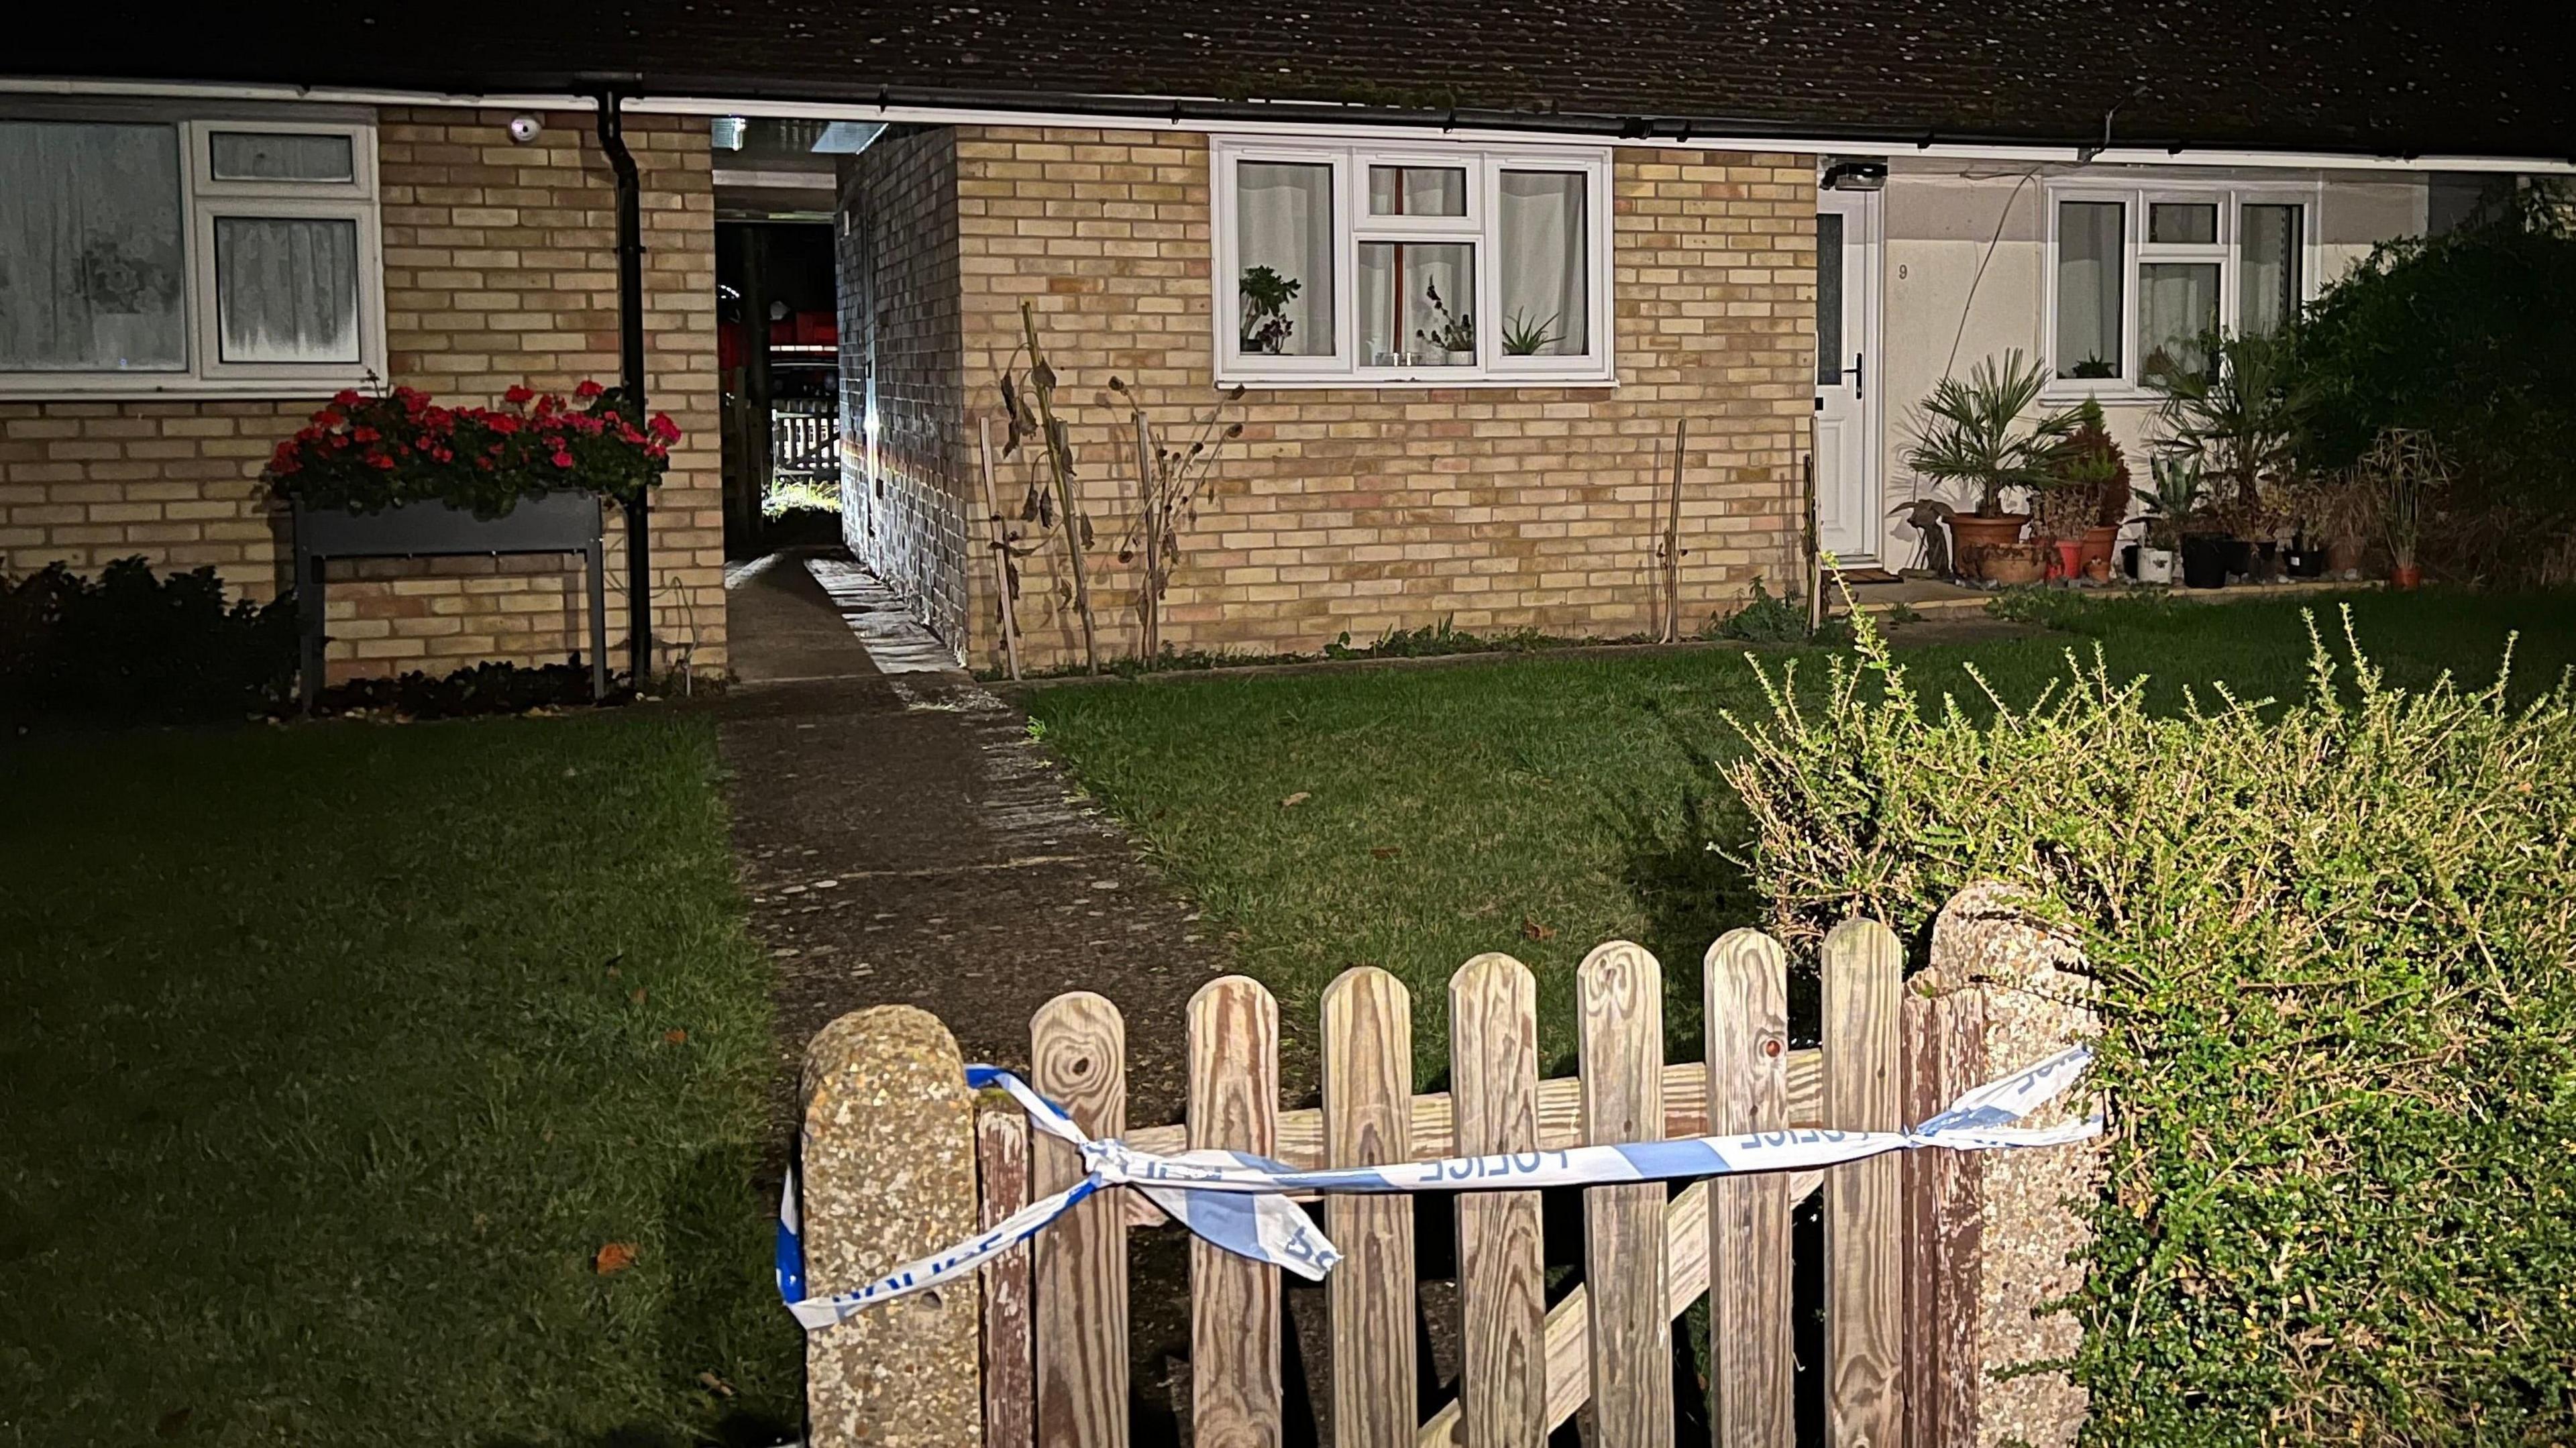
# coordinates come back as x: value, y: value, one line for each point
x: 1543, y: 804
x: 335, y: 1053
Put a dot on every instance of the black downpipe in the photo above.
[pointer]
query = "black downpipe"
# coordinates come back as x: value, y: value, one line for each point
x: 630, y: 379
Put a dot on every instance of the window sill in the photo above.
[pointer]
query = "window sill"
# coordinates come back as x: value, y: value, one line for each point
x: 1421, y: 382
x: 24, y: 388
x: 2117, y: 394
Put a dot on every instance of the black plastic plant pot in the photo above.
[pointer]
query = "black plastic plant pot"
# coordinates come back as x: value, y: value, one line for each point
x: 2206, y: 558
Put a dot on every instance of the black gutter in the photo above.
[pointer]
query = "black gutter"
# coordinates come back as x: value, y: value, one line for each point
x: 630, y: 379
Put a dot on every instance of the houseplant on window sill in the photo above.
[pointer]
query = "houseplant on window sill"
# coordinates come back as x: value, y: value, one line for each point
x: 1451, y: 335
x: 1973, y: 433
x: 400, y: 457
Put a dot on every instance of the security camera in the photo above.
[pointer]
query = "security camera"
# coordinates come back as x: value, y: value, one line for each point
x: 525, y: 128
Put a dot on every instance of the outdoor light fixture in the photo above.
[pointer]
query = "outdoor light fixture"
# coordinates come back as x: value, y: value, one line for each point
x: 525, y: 128
x: 1856, y: 176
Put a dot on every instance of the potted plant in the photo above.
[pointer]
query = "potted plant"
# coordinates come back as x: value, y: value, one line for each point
x: 2176, y: 498
x: 2408, y: 468
x: 1451, y: 334
x: 2240, y: 416
x: 400, y: 458
x: 1523, y: 337
x: 2064, y: 510
x: 1265, y: 327
x: 1972, y: 432
x: 2091, y: 467
x: 2343, y: 511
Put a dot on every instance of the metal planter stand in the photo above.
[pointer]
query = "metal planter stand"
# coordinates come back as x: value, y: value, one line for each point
x: 552, y: 523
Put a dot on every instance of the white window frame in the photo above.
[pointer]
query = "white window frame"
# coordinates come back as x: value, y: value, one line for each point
x: 2135, y: 251
x: 1352, y: 225
x: 202, y: 201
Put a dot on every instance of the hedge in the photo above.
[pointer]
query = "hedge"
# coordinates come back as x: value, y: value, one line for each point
x: 2334, y: 940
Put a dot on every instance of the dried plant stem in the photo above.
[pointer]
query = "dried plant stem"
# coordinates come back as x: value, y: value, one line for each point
x: 1149, y: 497
x: 1001, y: 547
x: 1673, y: 536
x: 1042, y: 380
x: 1655, y: 538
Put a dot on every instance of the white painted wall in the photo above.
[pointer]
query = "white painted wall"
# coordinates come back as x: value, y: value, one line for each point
x: 1945, y: 220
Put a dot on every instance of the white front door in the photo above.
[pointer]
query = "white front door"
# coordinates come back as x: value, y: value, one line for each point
x: 1847, y: 391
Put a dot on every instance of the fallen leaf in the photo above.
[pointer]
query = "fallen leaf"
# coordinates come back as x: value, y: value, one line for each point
x: 1294, y: 800
x: 1532, y: 930
x: 174, y: 1422
x: 636, y: 995
x: 1384, y: 852
x: 715, y: 1385
x: 675, y: 1037
x: 615, y: 1257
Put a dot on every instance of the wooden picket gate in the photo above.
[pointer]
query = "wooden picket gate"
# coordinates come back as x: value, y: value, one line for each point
x: 1901, y: 1230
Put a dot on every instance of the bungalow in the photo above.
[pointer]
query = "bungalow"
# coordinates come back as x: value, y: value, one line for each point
x: 1479, y: 271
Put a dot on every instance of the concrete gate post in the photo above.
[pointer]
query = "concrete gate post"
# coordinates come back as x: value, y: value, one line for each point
x: 888, y: 1176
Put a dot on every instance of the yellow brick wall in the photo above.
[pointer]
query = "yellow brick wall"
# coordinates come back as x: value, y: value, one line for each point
x: 1367, y: 509
x: 500, y: 267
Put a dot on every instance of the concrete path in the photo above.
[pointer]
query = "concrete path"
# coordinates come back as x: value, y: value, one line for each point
x: 903, y: 841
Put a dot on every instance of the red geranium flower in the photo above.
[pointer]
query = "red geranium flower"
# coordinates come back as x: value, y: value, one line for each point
x: 662, y: 427
x: 587, y: 390
x: 518, y: 394
x: 346, y: 397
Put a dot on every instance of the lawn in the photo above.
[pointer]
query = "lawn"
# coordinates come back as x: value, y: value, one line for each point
x: 1412, y: 817
x: 335, y: 1055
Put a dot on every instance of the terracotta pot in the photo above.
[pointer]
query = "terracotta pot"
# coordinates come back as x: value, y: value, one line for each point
x: 2098, y: 542
x: 2070, y: 559
x: 1971, y: 535
x: 2406, y: 576
x: 2097, y: 570
x: 2014, y: 563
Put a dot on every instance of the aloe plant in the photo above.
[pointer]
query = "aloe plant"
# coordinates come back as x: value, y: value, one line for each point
x: 1523, y: 337
x: 1973, y: 431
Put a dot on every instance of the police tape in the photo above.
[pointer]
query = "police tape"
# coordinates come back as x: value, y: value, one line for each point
x: 1236, y: 1200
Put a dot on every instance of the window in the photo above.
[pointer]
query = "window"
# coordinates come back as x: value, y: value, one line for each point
x: 2138, y: 278
x: 1458, y: 265
x: 142, y: 252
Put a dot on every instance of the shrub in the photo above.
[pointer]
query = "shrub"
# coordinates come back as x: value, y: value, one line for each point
x: 2338, y: 1023
x: 2467, y: 337
x: 1767, y: 620
x: 485, y: 688
x: 366, y: 453
x: 127, y: 647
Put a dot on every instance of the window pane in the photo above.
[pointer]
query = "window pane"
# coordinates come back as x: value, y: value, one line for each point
x: 1284, y: 240
x: 1544, y: 237
x: 286, y: 289
x: 282, y: 156
x: 2178, y: 306
x: 2269, y: 268
x: 1417, y: 304
x: 2183, y: 223
x: 2091, y: 264
x: 1417, y: 191
x: 1829, y: 299
x: 92, y: 277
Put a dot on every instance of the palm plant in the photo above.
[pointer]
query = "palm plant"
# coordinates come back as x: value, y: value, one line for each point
x: 2240, y: 419
x: 1973, y: 432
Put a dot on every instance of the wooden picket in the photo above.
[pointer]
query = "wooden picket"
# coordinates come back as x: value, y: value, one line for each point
x: 1901, y: 1230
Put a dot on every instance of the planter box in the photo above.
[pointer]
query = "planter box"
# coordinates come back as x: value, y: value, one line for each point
x: 551, y: 523
x: 554, y: 523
